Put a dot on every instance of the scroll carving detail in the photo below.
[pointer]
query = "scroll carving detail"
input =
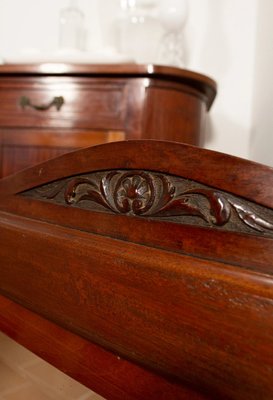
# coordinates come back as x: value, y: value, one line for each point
x: 150, y: 194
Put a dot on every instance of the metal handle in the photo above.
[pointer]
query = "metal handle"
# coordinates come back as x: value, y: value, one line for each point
x: 57, y: 102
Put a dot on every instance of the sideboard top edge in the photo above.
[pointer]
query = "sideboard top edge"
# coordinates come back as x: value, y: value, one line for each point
x: 202, y: 83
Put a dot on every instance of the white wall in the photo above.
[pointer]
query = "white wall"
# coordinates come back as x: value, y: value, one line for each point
x: 35, y: 24
x: 221, y: 42
x: 261, y: 143
x: 222, y: 33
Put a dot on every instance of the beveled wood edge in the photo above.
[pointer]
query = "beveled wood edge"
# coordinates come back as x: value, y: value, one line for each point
x: 252, y: 281
x: 104, y: 372
x: 202, y: 83
x: 218, y: 170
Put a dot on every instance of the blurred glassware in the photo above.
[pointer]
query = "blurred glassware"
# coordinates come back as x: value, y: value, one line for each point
x: 72, y: 27
x: 172, y: 14
x: 138, y: 29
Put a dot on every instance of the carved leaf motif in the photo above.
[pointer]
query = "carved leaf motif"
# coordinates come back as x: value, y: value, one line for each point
x: 250, y: 218
x: 149, y: 194
x: 166, y: 195
x: 179, y: 207
x: 219, y: 206
x: 105, y: 188
x: 80, y: 189
x: 217, y: 211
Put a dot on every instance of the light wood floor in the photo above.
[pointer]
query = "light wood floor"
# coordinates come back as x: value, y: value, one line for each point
x: 24, y: 376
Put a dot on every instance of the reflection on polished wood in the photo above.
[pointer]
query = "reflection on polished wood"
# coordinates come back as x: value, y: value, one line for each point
x: 134, y: 305
x: 148, y: 101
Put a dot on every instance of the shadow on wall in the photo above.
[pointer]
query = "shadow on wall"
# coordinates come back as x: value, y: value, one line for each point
x: 261, y: 145
x: 222, y: 133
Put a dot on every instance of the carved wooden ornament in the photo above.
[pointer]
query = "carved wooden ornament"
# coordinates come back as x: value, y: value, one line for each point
x: 157, y: 195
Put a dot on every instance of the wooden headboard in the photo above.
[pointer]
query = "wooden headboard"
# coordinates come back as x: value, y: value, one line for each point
x: 143, y: 269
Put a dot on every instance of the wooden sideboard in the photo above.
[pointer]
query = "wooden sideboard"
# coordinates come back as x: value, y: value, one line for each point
x: 50, y: 109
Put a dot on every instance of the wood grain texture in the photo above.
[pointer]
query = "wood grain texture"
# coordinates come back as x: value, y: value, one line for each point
x: 180, y: 316
x: 17, y: 154
x: 188, y: 109
x: 86, y: 362
x: 201, y: 82
x: 241, y: 177
x: 88, y: 103
x: 192, y: 304
x: 139, y: 101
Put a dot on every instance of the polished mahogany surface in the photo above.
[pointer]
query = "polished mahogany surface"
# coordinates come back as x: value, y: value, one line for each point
x: 154, y: 259
x: 50, y: 109
x: 203, y: 83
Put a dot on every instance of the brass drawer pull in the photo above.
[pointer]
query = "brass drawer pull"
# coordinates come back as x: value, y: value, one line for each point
x: 57, y: 102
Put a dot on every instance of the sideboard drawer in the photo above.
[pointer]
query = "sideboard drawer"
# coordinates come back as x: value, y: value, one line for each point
x: 74, y: 103
x: 49, y: 109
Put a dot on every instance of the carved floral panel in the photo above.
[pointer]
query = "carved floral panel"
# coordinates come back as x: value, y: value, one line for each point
x: 149, y: 194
